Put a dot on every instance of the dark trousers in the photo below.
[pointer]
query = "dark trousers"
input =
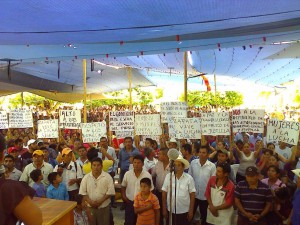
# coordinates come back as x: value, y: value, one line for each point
x: 179, y: 219
x: 203, y: 205
x: 130, y: 216
x: 159, y: 196
x: 122, y: 173
x: 72, y: 194
x: 244, y: 221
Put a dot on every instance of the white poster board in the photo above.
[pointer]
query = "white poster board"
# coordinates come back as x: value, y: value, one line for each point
x: 92, y: 132
x: 185, y: 128
x: 69, y: 119
x: 20, y: 118
x: 282, y: 130
x: 215, y: 123
x: 3, y: 120
x: 171, y: 110
x: 121, y: 121
x: 47, y: 128
x: 148, y: 124
x: 124, y: 134
x: 248, y: 120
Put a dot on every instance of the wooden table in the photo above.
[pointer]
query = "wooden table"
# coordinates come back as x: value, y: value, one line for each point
x: 56, y: 212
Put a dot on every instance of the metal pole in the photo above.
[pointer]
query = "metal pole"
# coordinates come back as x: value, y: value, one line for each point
x: 22, y: 96
x: 130, y: 88
x: 84, y: 90
x: 185, y: 76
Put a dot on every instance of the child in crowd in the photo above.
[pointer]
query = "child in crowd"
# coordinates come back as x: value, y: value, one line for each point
x: 146, y: 205
x: 37, y: 176
x: 56, y: 189
x: 82, y: 214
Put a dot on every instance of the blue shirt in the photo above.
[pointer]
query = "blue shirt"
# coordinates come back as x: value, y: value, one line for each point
x: 39, y: 190
x: 124, y: 157
x: 59, y: 193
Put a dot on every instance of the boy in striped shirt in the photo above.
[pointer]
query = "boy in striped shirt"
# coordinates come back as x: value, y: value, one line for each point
x: 146, y: 205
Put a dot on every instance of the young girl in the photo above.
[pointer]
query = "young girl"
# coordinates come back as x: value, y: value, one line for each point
x: 82, y: 214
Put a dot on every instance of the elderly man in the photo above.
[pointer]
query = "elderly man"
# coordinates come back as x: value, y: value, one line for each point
x: 253, y: 199
x: 97, y: 188
x: 38, y: 163
x: 183, y: 204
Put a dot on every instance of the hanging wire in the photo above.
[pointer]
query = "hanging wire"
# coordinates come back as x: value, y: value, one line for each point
x: 232, y: 59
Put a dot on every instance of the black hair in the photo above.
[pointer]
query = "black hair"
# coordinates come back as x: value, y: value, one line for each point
x: 10, y: 157
x: 270, y: 143
x: 239, y: 142
x: 92, y: 153
x: 97, y: 159
x: 282, y: 193
x: 40, y: 143
x: 266, y: 150
x: 139, y: 157
x: 52, y: 177
x: 2, y: 143
x: 34, y: 175
x: 148, y: 139
x: 53, y: 146
x: 129, y: 138
x: 146, y: 181
x: 205, y: 147
x: 81, y: 146
x: 60, y: 147
x: 275, y: 168
x: 225, y: 166
x: 44, y: 148
x: 187, y: 147
x: 147, y: 151
x: 103, y: 138
x: 18, y: 140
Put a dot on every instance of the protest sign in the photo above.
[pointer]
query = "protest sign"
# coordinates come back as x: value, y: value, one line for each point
x: 185, y: 128
x: 148, y: 124
x: 248, y: 120
x: 3, y: 120
x: 20, y: 118
x: 215, y: 123
x: 121, y: 121
x: 47, y: 128
x: 69, y: 119
x: 282, y: 130
x: 124, y: 134
x: 170, y: 110
x: 92, y: 132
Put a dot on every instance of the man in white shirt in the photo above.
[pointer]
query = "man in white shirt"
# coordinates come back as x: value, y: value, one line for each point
x: 131, y: 186
x: 97, y: 188
x: 201, y: 170
x: 72, y: 173
x: 149, y: 161
x: 38, y: 163
x: 183, y: 205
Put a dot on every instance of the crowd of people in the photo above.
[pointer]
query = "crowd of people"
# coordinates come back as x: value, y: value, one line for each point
x: 216, y: 176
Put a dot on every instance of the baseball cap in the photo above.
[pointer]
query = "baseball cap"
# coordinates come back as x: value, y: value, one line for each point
x: 66, y: 151
x: 223, y: 151
x: 251, y: 171
x: 31, y: 141
x: 12, y: 149
x: 38, y: 152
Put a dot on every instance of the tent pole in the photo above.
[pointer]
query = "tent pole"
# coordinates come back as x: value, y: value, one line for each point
x: 185, y: 76
x: 84, y: 90
x: 130, y: 88
x: 22, y: 96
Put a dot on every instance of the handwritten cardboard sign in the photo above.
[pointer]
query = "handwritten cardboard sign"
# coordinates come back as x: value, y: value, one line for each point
x: 215, y: 123
x: 282, y: 130
x: 92, y: 132
x: 170, y: 110
x: 121, y: 121
x: 248, y: 120
x: 47, y: 128
x: 185, y: 128
x: 69, y: 119
x: 20, y: 119
x: 148, y: 124
x: 3, y: 120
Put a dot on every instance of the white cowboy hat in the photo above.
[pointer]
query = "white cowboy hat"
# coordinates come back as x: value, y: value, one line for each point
x: 172, y: 140
x: 184, y: 161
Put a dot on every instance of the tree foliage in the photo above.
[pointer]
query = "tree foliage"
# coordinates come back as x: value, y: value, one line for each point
x: 228, y: 99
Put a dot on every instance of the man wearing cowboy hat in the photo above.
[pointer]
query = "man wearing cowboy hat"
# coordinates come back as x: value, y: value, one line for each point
x: 172, y: 143
x: 183, y: 205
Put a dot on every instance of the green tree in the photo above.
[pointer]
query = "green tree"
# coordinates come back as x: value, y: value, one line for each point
x: 204, y: 98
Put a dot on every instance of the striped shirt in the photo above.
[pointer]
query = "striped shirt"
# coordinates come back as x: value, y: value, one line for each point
x: 146, y: 217
x: 253, y: 200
